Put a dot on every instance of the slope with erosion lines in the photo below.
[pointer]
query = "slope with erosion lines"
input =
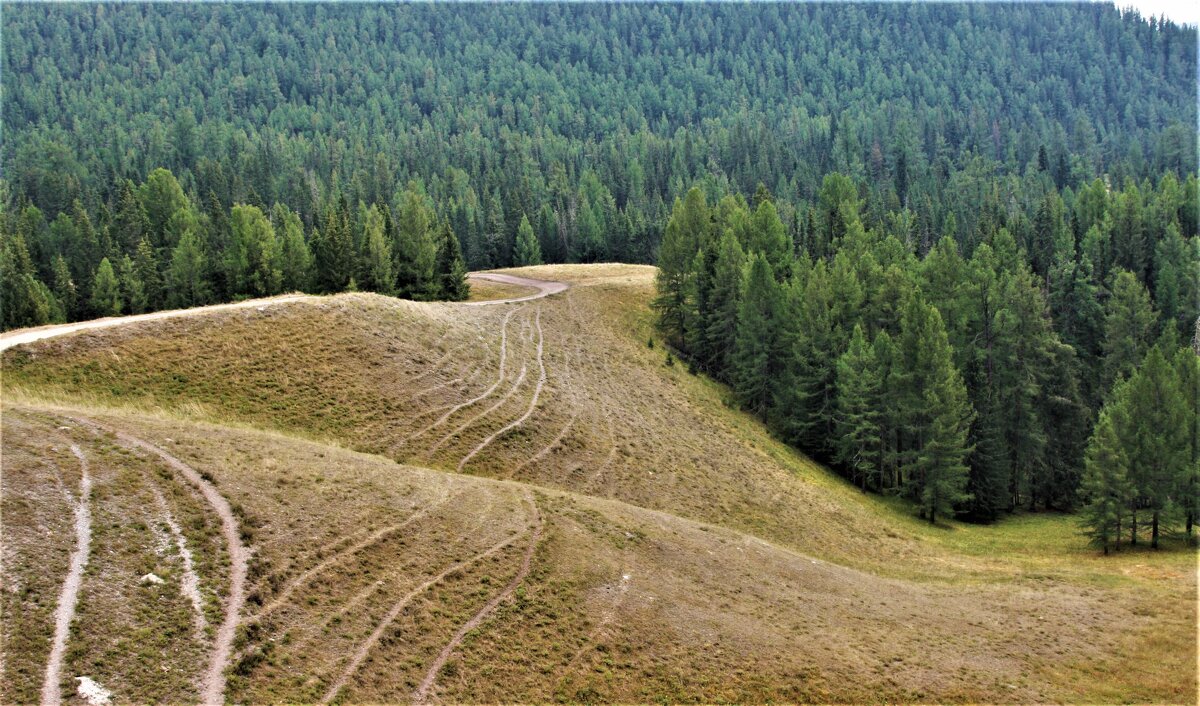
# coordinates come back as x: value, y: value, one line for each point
x: 673, y: 446
x: 714, y: 614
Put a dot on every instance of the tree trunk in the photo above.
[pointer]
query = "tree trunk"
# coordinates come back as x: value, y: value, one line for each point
x: 1154, y: 531
x: 1133, y: 530
x: 1190, y: 520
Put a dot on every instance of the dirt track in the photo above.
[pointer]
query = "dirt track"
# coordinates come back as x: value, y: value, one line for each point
x: 20, y: 336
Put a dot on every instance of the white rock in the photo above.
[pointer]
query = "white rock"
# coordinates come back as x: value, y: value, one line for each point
x: 92, y: 692
x: 151, y: 578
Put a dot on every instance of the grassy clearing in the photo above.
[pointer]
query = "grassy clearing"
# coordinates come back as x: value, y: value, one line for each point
x: 642, y: 471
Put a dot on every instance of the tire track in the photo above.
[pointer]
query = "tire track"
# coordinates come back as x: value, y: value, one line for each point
x: 69, y: 597
x: 484, y: 395
x: 348, y: 552
x: 365, y: 648
x: 548, y: 448
x: 212, y: 689
x: 470, y: 422
x: 422, y: 693
x: 537, y: 392
x: 189, y: 585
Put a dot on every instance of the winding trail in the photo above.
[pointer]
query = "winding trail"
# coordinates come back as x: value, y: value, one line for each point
x: 422, y: 693
x: 65, y: 612
x: 537, y: 392
x: 212, y: 689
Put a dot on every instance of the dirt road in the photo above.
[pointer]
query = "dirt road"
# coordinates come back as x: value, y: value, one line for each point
x: 20, y: 336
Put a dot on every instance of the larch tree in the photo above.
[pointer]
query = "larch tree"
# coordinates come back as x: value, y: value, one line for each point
x: 526, y: 251
x: 187, y: 283
x: 751, y: 368
x: 686, y: 230
x: 1130, y: 324
x: 106, y: 299
x: 1105, y: 486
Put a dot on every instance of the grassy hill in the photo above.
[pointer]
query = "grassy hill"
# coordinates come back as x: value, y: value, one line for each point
x: 516, y: 501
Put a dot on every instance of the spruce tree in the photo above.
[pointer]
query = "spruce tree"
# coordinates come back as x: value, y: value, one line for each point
x: 133, y: 290
x: 451, y: 270
x: 857, y: 411
x: 944, y: 449
x: 725, y: 301
x: 751, y: 364
x: 24, y: 299
x: 527, y: 251
x: 64, y: 288
x: 146, y: 263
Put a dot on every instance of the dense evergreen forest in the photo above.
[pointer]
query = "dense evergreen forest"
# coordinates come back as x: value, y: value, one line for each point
x: 931, y: 243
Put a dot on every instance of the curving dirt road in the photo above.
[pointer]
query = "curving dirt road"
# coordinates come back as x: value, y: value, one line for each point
x: 545, y: 287
x: 29, y: 335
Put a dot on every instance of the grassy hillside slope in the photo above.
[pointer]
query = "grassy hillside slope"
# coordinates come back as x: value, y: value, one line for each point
x: 675, y: 551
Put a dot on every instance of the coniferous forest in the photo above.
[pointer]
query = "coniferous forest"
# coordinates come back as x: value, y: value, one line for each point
x: 949, y: 249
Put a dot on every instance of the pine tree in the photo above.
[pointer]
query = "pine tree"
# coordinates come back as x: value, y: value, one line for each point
x: 451, y: 270
x: 857, y: 411
x: 106, y: 290
x: 751, y: 362
x: 527, y: 251
x: 186, y: 275
x: 1105, y: 486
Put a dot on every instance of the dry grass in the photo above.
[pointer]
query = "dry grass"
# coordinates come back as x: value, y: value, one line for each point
x: 753, y: 574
